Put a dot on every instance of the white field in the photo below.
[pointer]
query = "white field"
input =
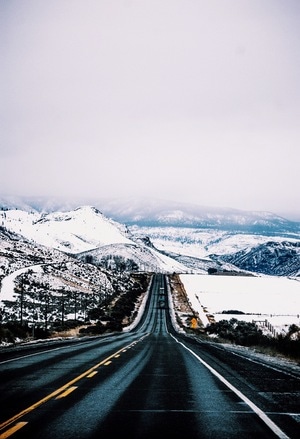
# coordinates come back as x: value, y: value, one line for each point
x: 276, y: 299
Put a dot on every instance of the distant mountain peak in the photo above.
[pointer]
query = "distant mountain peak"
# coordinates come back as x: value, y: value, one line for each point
x: 74, y: 231
x: 156, y: 212
x: 88, y: 208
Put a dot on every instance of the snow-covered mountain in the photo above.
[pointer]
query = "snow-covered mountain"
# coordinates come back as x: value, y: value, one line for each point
x: 90, y: 235
x: 44, y: 267
x: 93, y: 237
x: 156, y: 212
x: 278, y: 258
x: 201, y: 249
x: 75, y: 231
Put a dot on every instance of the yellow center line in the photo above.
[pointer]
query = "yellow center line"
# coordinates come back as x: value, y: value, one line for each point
x: 107, y: 363
x: 90, y: 375
x: 66, y: 392
x: 12, y: 430
x: 60, y: 390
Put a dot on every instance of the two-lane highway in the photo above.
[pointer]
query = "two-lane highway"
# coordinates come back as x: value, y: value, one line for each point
x: 139, y: 384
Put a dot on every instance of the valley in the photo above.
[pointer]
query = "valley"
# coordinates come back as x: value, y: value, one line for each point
x: 70, y: 267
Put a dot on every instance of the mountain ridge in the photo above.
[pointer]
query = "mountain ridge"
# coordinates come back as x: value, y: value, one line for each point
x: 87, y: 234
x: 156, y: 212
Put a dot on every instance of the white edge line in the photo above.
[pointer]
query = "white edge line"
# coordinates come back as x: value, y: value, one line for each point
x: 244, y: 398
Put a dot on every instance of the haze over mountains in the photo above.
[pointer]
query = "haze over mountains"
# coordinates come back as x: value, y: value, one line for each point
x: 158, y: 236
x: 157, y: 212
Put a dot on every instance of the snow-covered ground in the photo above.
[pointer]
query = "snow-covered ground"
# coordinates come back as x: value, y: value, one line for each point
x: 271, y: 298
x: 201, y: 243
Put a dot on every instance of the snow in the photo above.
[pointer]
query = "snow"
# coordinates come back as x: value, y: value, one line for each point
x: 201, y: 243
x: 85, y: 229
x: 80, y: 230
x: 276, y: 299
x: 259, y: 297
x: 8, y: 282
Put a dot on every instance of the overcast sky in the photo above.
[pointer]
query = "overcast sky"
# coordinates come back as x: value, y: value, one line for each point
x: 189, y: 100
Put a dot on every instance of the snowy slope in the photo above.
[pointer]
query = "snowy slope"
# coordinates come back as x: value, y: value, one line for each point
x: 198, y: 248
x: 75, y: 231
x: 134, y: 256
x: 85, y: 232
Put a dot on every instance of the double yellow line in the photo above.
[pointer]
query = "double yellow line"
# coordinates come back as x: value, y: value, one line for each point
x: 59, y: 393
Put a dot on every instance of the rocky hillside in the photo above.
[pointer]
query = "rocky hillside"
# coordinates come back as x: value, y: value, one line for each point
x: 40, y: 285
x: 88, y: 234
x: 275, y: 258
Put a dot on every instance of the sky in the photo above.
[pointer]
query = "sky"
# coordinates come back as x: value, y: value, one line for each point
x: 188, y: 100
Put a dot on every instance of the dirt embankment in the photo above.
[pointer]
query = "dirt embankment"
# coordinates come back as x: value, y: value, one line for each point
x: 179, y: 295
x: 185, y: 314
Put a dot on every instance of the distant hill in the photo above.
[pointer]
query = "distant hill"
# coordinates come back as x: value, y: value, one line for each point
x: 224, y: 243
x: 155, y: 213
x: 277, y: 258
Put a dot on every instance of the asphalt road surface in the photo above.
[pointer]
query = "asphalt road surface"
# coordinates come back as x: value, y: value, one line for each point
x: 143, y: 383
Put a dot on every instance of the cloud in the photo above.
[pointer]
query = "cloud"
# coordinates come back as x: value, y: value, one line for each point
x: 193, y: 100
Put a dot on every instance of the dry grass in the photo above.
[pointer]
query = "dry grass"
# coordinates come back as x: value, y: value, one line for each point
x: 186, y: 316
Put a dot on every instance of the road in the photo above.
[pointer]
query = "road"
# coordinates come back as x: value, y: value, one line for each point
x: 151, y: 380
